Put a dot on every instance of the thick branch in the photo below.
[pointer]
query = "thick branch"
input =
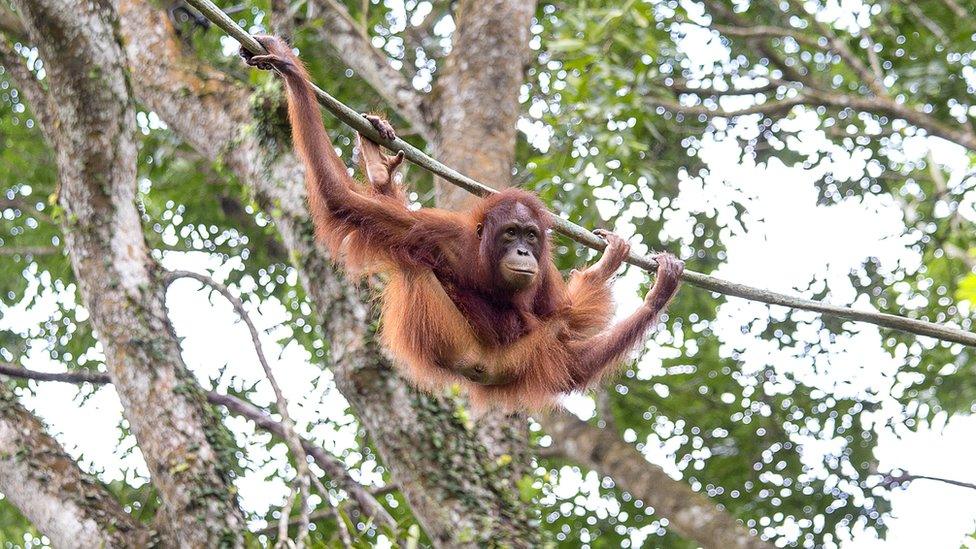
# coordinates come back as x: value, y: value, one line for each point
x: 477, y: 93
x: 37, y: 99
x: 587, y: 238
x: 364, y: 498
x: 690, y: 514
x: 69, y: 506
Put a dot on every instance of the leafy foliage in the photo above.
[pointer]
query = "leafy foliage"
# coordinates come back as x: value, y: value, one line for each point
x: 618, y: 107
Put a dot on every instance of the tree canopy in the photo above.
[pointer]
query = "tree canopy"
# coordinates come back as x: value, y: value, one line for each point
x: 686, y: 126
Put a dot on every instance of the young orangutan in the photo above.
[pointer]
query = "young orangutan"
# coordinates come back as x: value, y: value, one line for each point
x: 472, y: 298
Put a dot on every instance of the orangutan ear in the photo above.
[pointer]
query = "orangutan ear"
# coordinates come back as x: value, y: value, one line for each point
x: 480, y: 229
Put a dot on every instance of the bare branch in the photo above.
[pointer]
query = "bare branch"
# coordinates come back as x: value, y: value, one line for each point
x: 890, y: 107
x: 768, y: 108
x: 29, y: 250
x: 874, y: 60
x: 691, y: 514
x: 957, y: 9
x: 14, y: 370
x: 324, y: 514
x: 364, y: 498
x: 336, y: 514
x: 683, y: 86
x: 928, y: 23
x: 903, y: 478
x: 303, y: 475
x: 283, y: 540
x: 767, y: 31
x: 331, y: 465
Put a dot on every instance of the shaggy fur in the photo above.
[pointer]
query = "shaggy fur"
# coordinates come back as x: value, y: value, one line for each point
x: 447, y: 316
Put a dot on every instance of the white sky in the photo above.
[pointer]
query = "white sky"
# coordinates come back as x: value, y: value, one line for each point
x: 786, y: 240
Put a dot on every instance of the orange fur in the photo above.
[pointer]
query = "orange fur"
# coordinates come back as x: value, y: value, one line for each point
x: 445, y: 316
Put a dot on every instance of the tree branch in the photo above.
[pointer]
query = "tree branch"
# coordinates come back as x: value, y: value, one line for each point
x: 774, y: 57
x: 331, y: 465
x: 903, y: 478
x: 768, y: 108
x: 683, y: 86
x: 69, y: 506
x: 881, y: 103
x: 353, y: 46
x: 957, y: 9
x: 587, y: 238
x: 29, y: 250
x: 10, y: 25
x: 364, y: 498
x: 928, y: 23
x: 302, y: 473
x: 691, y: 514
x: 27, y: 83
x: 840, y: 48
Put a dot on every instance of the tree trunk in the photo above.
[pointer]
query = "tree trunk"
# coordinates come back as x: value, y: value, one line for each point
x: 437, y: 460
x: 477, y: 109
x: 65, y: 504
x: 477, y: 96
x: 185, y: 446
x: 689, y: 513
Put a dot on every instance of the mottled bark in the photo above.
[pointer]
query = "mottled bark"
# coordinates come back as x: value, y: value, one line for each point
x: 689, y: 513
x: 436, y: 459
x: 67, y: 505
x: 16, y: 68
x: 10, y: 24
x: 477, y: 94
x: 179, y: 435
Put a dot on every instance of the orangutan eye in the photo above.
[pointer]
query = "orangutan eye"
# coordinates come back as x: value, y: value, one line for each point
x: 510, y: 233
x: 531, y: 237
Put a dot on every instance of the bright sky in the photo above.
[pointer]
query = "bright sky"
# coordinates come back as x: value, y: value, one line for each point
x: 785, y: 241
